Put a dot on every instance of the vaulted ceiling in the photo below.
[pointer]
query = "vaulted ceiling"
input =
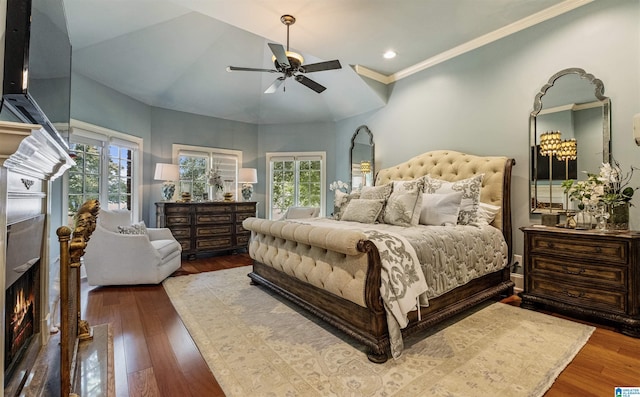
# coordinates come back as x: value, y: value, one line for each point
x: 174, y: 53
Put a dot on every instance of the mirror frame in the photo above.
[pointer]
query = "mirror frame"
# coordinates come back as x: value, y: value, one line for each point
x: 537, y: 107
x: 364, y: 129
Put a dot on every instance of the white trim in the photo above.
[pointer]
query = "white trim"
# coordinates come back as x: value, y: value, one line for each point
x: 524, y: 23
x: 92, y: 131
x: 289, y: 156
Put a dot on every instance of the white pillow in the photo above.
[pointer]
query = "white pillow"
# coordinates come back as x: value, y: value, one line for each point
x: 487, y: 213
x: 136, y: 228
x: 440, y: 209
x: 111, y: 219
x: 470, y: 189
x: 362, y: 210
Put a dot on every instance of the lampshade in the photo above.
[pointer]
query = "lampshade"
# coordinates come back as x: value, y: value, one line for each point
x: 568, y: 150
x: 248, y: 175
x: 550, y: 143
x: 167, y: 172
x: 365, y: 167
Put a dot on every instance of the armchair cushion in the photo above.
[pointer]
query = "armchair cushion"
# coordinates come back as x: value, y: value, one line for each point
x: 136, y: 228
x: 111, y: 219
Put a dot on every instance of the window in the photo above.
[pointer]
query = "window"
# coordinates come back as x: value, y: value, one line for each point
x: 295, y: 179
x: 107, y: 169
x: 197, y: 164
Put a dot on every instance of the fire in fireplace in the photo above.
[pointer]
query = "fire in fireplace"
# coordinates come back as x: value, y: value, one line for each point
x: 22, y: 302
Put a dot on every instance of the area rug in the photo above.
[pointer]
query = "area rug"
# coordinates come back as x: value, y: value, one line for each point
x: 258, y: 344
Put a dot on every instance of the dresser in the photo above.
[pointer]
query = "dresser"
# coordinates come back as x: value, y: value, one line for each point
x: 584, y: 274
x: 206, y: 227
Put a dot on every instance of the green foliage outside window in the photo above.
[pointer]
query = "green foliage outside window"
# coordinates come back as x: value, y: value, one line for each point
x: 295, y: 183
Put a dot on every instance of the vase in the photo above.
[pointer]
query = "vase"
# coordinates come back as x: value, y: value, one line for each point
x: 618, y: 217
x: 584, y: 220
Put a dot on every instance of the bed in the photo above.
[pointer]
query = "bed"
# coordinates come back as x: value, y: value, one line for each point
x: 344, y: 271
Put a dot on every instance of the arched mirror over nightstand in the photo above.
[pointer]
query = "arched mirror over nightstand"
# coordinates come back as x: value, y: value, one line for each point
x: 361, y: 158
x: 573, y: 104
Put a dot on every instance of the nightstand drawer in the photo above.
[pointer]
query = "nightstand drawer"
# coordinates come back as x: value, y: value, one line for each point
x: 587, y: 297
x: 583, y: 273
x: 598, y: 250
x: 251, y: 208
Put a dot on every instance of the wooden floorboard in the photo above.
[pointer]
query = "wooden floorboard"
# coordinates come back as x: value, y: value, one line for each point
x: 156, y: 357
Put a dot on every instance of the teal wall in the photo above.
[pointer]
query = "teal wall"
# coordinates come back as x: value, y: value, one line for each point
x: 478, y: 102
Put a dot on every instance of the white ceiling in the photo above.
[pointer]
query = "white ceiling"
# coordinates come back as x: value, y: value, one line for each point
x: 174, y: 53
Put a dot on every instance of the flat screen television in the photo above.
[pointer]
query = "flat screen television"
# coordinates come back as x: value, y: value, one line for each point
x: 36, y: 86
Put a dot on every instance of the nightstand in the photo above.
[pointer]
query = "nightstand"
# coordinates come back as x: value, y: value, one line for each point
x: 584, y: 274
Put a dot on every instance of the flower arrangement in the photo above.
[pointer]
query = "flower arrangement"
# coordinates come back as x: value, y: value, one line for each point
x: 339, y: 185
x: 215, y: 179
x: 609, y: 187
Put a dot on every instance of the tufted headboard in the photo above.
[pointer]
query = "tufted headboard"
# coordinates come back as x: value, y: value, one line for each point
x: 452, y: 166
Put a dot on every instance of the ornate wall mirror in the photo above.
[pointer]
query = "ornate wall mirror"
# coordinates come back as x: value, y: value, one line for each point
x: 569, y: 132
x: 362, y: 158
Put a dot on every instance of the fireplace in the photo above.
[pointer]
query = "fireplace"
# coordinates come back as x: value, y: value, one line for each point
x: 22, y: 291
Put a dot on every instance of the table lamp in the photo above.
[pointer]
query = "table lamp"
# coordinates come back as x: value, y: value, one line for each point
x: 247, y: 176
x: 549, y: 146
x: 169, y: 173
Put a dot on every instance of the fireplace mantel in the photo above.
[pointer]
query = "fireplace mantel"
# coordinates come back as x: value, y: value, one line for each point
x: 30, y: 157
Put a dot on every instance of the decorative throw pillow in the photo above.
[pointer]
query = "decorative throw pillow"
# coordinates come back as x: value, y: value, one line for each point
x: 408, y: 186
x: 486, y: 214
x: 377, y: 193
x: 362, y: 210
x: 401, y: 207
x: 340, y: 201
x: 470, y: 189
x: 440, y: 209
x: 136, y: 228
x: 110, y: 219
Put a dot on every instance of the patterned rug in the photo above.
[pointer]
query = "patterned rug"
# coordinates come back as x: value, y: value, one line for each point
x: 257, y: 344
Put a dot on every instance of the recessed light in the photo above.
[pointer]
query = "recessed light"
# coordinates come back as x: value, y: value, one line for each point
x: 389, y: 54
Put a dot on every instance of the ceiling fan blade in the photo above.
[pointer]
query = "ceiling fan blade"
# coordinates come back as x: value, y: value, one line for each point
x: 320, y: 66
x: 280, y: 54
x: 274, y: 87
x: 310, y: 83
x: 240, y: 69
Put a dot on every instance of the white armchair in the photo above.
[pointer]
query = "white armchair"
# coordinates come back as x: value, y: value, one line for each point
x: 113, y: 257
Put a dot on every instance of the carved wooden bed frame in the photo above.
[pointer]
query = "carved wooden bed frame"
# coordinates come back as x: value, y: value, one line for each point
x: 368, y: 324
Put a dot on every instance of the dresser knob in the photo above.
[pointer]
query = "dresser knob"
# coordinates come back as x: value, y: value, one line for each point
x: 572, y: 295
x: 550, y: 245
x: 574, y: 272
x: 598, y: 250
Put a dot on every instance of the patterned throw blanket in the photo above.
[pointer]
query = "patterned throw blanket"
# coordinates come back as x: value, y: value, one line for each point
x: 403, y: 283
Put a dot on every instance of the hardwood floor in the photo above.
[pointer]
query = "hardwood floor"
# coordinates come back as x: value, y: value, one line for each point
x: 155, y: 355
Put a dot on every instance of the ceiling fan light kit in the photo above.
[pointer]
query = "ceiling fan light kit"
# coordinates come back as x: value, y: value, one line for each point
x: 290, y: 64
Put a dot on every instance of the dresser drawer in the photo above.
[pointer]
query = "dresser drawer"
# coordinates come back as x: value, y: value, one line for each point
x: 240, y: 229
x: 185, y: 244
x: 177, y: 209
x: 241, y: 216
x: 215, y: 209
x: 611, y: 251
x: 588, y: 297
x: 213, y: 230
x: 213, y: 218
x: 180, y: 232
x: 251, y: 208
x: 213, y: 243
x: 243, y: 239
x: 177, y: 220
x: 614, y: 276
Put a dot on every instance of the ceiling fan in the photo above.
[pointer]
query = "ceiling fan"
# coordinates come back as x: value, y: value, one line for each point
x: 289, y: 63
